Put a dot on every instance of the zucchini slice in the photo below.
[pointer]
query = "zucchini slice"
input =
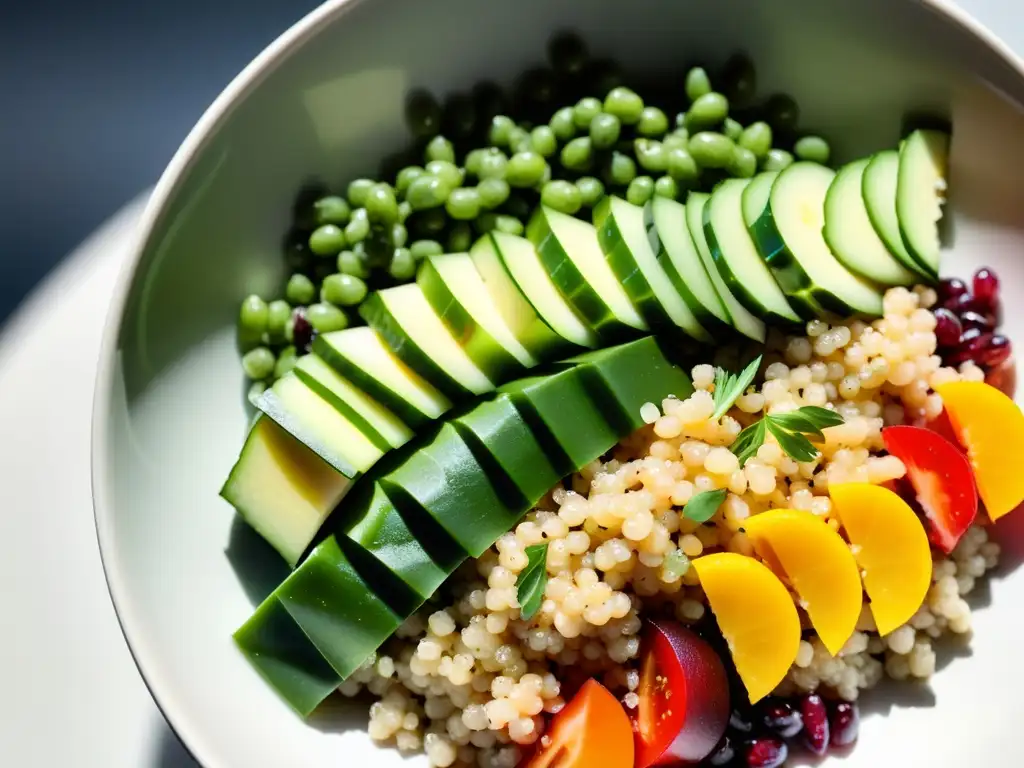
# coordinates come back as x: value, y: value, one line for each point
x: 921, y: 193
x: 878, y: 188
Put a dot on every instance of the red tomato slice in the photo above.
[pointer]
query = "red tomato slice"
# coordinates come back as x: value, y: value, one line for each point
x: 684, y: 697
x: 942, y: 479
x: 593, y: 730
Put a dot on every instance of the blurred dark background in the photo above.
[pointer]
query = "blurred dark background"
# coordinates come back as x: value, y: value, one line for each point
x: 94, y: 99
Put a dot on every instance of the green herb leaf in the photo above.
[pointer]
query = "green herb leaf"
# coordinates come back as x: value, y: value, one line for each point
x: 532, y: 581
x: 703, y: 505
x: 823, y: 418
x: 728, y: 387
x: 795, y: 421
x: 748, y: 441
x: 795, y: 444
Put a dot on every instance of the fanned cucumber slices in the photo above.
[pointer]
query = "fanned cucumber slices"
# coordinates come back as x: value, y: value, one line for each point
x: 878, y: 188
x: 921, y: 193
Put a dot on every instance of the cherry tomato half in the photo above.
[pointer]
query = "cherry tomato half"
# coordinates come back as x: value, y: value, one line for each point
x: 592, y: 730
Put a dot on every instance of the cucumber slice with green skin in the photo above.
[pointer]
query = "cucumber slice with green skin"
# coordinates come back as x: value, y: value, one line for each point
x: 742, y: 320
x: 444, y: 481
x: 678, y: 256
x: 622, y: 235
x: 878, y: 188
x: 528, y: 327
x: 282, y: 489
x: 362, y: 356
x: 380, y: 425
x: 406, y: 321
x: 457, y: 293
x: 737, y: 259
x: 921, y: 192
x: 755, y: 196
x: 336, y: 608
x: 286, y: 658
x: 316, y: 424
x: 571, y: 254
x: 789, y: 236
x: 523, y: 264
x: 851, y: 236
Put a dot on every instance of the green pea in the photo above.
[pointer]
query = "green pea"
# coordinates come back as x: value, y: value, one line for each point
x: 519, y: 140
x: 625, y: 104
x: 563, y: 196
x: 666, y: 186
x: 544, y: 179
x: 678, y: 139
x: 492, y: 193
x: 381, y: 205
x: 544, y: 141
x: 680, y: 120
x: 472, y: 161
x: 604, y: 130
x: 732, y: 129
x: 744, y: 163
x: 493, y: 164
x: 591, y: 190
x: 326, y: 318
x: 525, y: 169
x: 740, y: 78
x: 256, y: 390
x: 358, y: 227
x: 681, y: 166
x: 563, y: 124
x: 331, y: 210
x: 428, y: 191
x: 509, y: 225
x: 621, y: 169
x: 757, y: 137
x: 814, y: 149
x: 403, y: 265
x: 440, y: 148
x: 326, y: 240
x: 286, y: 361
x: 399, y: 235
x: 407, y: 176
x: 423, y: 248
x: 253, y: 315
x: 449, y: 173
x: 653, y: 122
x: 300, y: 289
x: 342, y: 290
x: 460, y: 238
x: 711, y: 150
x: 485, y: 222
x: 500, y: 130
x: 463, y: 204
x: 258, y: 363
x: 586, y: 109
x: 640, y: 190
x: 278, y: 313
x: 432, y: 222
x: 651, y: 155
x: 777, y: 160
x: 404, y: 210
x: 423, y: 114
x: 578, y: 154
x: 783, y: 113
x: 358, y: 190
x: 697, y: 83
x: 351, y: 263
x: 707, y: 112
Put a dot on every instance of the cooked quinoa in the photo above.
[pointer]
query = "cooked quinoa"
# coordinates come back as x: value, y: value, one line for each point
x: 469, y: 682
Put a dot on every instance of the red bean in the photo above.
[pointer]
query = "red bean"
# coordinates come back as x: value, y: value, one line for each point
x: 844, y: 723
x: 816, y: 729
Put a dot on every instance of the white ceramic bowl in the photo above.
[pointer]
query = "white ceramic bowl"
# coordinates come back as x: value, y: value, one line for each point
x: 326, y: 100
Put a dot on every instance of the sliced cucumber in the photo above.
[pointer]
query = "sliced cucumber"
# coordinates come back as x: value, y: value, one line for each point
x: 742, y: 320
x: 789, y: 236
x: 572, y: 256
x: 362, y: 356
x: 523, y: 264
x: 375, y: 421
x: 623, y: 237
x: 878, y: 188
x: 404, y: 318
x: 755, y: 196
x: 851, y: 236
x: 315, y: 423
x: 282, y: 489
x: 678, y: 256
x: 921, y: 192
x: 458, y: 295
x: 737, y: 259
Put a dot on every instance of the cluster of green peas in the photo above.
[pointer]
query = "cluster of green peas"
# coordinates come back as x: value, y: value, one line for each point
x: 618, y: 145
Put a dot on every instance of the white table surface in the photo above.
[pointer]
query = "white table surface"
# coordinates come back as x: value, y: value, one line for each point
x: 69, y: 692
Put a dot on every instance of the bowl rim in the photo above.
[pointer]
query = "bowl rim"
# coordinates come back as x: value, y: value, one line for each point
x: 152, y: 216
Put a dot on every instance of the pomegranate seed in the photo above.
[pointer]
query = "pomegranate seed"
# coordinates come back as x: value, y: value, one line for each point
x: 971, y: 344
x: 815, y: 716
x: 995, y: 352
x: 781, y: 719
x: 971, y: 319
x: 986, y: 286
x: 739, y: 722
x: 951, y: 288
x: 844, y: 723
x: 947, y: 328
x: 766, y: 753
x: 724, y: 753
